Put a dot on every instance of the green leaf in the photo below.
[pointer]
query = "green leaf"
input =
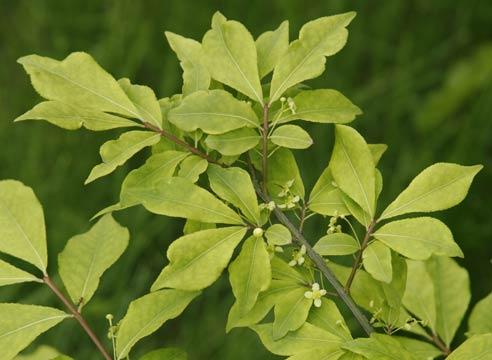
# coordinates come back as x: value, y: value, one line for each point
x: 420, y: 349
x: 352, y: 167
x: 78, y: 80
x: 419, y: 238
x: 266, y: 301
x: 234, y: 142
x: 250, y: 273
x: 318, y: 354
x: 336, y: 244
x: 230, y: 56
x: 378, y: 347
x: 43, y: 352
x: 22, y: 230
x: 235, y: 186
x: 291, y: 136
x: 198, y: 259
x: 438, y: 187
x: 325, y: 198
x: 157, y: 167
x: 147, y: 314
x: 419, y: 296
x: 21, y: 324
x: 282, y: 168
x: 195, y: 74
x: 278, y: 234
x: 11, y: 275
x: 395, y: 290
x: 480, y: 320
x: 478, y: 347
x: 179, y: 197
x: 72, y: 117
x: 356, y: 210
x: 322, y: 106
x: 329, y: 318
x: 452, y: 294
x: 291, y: 312
x: 214, y: 112
x: 377, y: 151
x: 305, y: 57
x: 305, y: 338
x: 87, y: 256
x: 352, y: 356
x: 377, y: 261
x: 282, y: 271
x: 271, y: 46
x: 192, y: 167
x: 192, y: 226
x: 144, y: 100
x: 115, y: 153
x: 166, y: 354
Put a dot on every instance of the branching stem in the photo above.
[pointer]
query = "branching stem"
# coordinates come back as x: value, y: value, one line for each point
x: 76, y: 314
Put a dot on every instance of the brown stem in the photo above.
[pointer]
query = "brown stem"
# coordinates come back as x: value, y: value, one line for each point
x: 265, y: 148
x: 446, y: 351
x: 358, y: 259
x: 73, y: 310
x: 180, y: 142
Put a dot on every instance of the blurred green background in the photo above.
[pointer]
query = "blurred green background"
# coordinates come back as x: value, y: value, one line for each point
x: 420, y: 70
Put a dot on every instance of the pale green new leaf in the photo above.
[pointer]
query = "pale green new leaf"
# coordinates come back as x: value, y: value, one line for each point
x: 305, y: 338
x: 192, y: 167
x: 322, y: 106
x: 87, y: 256
x: 230, y: 56
x: 271, y: 46
x: 198, y: 259
x: 478, y: 347
x: 419, y: 296
x: 157, y: 167
x: 336, y: 244
x: 195, y: 74
x: 377, y: 151
x: 291, y: 136
x: 179, y: 197
x: 214, y: 112
x: 278, y: 234
x: 78, y: 80
x: 147, y: 314
x: 305, y: 57
x: 22, y: 229
x: 356, y: 210
x: 166, y: 354
x: 144, y: 100
x: 234, y: 142
x: 325, y: 198
x: 377, y: 261
x: 419, y: 238
x: 438, y: 187
x: 291, y: 312
x: 329, y: 318
x: 379, y: 347
x: 266, y: 301
x: 21, y: 324
x: 11, y: 275
x: 352, y: 167
x: 250, y: 273
x: 192, y: 226
x: 115, y: 153
x: 421, y: 350
x: 72, y: 117
x: 480, y: 320
x: 235, y: 186
x: 452, y: 295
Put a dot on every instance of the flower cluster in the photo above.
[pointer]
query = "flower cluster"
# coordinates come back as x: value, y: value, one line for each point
x: 316, y: 294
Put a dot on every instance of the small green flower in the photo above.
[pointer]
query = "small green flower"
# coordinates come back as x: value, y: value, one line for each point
x: 298, y: 257
x: 316, y: 294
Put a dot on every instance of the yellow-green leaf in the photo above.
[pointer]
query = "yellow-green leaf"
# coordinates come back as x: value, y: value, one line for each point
x: 271, y: 46
x: 438, y: 187
x: 166, y: 354
x: 419, y: 238
x: 291, y: 312
x: 336, y: 244
x: 87, y: 256
x: 329, y: 318
x: 480, y: 320
x: 147, y: 314
x: 377, y: 261
x: 144, y: 100
x: 234, y: 142
x: 478, y: 347
x: 198, y: 259
x: 325, y: 198
x: 291, y: 136
x: 278, y: 234
x: 21, y: 324
x: 191, y: 168
x: 22, y: 229
x: 11, y: 275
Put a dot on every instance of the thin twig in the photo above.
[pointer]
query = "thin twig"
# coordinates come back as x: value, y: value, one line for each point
x: 446, y: 351
x: 303, y: 217
x: 73, y: 310
x: 358, y: 259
